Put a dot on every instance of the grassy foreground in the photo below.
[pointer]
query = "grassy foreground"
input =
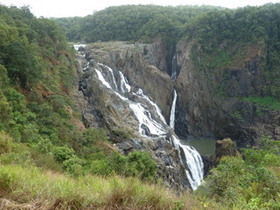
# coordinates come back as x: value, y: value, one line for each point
x: 31, y: 188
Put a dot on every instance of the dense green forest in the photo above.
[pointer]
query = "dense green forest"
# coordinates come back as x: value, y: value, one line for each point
x: 132, y: 23
x: 143, y: 23
x: 223, y: 36
x: 48, y: 159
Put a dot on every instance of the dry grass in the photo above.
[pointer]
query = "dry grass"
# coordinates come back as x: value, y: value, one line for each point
x: 31, y: 188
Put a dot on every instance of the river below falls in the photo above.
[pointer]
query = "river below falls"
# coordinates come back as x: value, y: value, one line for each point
x: 203, y: 146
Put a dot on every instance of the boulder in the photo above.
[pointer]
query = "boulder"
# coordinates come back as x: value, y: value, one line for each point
x: 225, y: 147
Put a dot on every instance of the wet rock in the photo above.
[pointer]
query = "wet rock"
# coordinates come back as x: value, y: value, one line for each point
x: 209, y: 162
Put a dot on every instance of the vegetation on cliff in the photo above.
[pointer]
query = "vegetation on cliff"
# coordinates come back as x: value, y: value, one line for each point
x: 48, y: 159
x: 235, y: 39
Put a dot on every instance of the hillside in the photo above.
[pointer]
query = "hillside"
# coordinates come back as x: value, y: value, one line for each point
x: 90, y: 130
x: 41, y: 127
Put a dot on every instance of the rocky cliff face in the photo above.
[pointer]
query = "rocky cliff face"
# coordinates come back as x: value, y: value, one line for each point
x: 102, y: 107
x: 209, y: 101
x: 138, y: 64
x: 194, y: 97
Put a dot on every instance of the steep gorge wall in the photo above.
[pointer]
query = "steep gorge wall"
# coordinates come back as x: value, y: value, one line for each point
x: 209, y: 102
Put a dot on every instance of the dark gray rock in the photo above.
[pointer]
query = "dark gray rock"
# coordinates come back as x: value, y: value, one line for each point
x: 209, y: 100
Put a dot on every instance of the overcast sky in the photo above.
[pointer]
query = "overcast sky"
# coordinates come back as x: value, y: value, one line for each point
x: 69, y: 8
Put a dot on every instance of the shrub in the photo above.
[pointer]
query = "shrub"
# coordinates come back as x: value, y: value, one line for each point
x: 74, y: 166
x: 6, y: 181
x: 43, y: 145
x: 119, y: 135
x: 5, y: 109
x: 63, y: 153
x: 141, y: 164
x: 101, y: 167
x: 235, y: 183
x: 5, y: 143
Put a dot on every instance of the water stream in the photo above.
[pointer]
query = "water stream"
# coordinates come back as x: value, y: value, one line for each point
x: 151, y: 122
x: 172, y: 112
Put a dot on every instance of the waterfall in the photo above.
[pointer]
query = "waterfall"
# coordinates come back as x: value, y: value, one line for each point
x: 102, y: 79
x: 191, y: 161
x: 147, y: 125
x: 151, y: 122
x: 189, y: 157
x: 174, y: 67
x: 77, y: 46
x: 172, y: 112
x: 141, y: 94
x: 125, y: 87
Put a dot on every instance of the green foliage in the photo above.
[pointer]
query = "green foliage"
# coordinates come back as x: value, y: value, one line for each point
x: 5, y: 110
x: 22, y: 63
x: 267, y: 154
x: 6, y: 180
x: 4, y: 81
x: 252, y: 183
x: 131, y: 22
x: 62, y: 154
x: 140, y: 164
x: 266, y: 101
x: 71, y: 27
x: 74, y: 166
x: 5, y: 143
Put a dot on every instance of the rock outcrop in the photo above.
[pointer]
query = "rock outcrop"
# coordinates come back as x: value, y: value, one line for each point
x: 225, y: 147
x: 101, y: 107
x: 209, y: 102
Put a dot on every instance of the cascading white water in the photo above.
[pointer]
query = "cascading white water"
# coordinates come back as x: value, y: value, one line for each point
x: 174, y: 68
x: 125, y: 87
x: 146, y: 121
x: 172, y: 112
x: 152, y: 124
x: 102, y: 79
x: 77, y: 46
x: 147, y: 125
x: 192, y: 162
x: 141, y: 94
x: 190, y: 158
